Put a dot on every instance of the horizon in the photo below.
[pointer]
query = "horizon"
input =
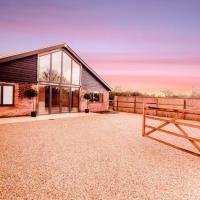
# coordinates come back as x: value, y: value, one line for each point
x: 140, y: 46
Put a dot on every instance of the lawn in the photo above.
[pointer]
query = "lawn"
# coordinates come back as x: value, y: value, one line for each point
x: 93, y: 157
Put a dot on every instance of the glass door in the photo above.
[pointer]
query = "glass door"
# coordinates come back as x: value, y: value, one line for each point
x: 65, y: 99
x: 44, y: 95
x: 58, y: 99
x: 55, y: 99
x: 74, y: 99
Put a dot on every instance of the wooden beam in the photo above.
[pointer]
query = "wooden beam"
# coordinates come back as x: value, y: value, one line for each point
x: 174, y: 134
x: 177, y: 122
x: 144, y: 120
x: 174, y: 146
x: 185, y: 111
x: 163, y: 125
x: 185, y: 134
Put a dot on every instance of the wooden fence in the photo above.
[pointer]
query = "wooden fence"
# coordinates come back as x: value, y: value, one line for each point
x: 135, y: 105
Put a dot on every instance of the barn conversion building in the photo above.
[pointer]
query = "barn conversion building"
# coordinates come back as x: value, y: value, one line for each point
x: 59, y: 75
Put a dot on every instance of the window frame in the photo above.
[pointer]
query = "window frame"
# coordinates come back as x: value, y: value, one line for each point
x: 72, y: 72
x: 62, y: 66
x: 39, y: 68
x: 101, y: 97
x: 1, y: 96
x: 72, y: 59
x: 52, y: 64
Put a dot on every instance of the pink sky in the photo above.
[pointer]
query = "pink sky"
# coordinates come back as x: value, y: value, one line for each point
x: 140, y: 45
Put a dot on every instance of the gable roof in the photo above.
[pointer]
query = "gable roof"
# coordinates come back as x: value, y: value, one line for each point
x: 19, y: 55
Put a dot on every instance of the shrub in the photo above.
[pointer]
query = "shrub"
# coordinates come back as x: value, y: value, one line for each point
x: 87, y: 96
x: 30, y: 93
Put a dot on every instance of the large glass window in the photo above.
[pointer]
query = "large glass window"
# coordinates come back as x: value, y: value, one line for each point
x: 6, y: 95
x: 56, y: 67
x: 75, y: 73
x: 44, y: 64
x: 67, y: 61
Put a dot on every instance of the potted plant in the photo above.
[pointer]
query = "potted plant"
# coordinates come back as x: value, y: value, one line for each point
x: 31, y: 94
x: 87, y: 97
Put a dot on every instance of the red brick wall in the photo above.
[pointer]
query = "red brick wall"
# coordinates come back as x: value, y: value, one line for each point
x: 22, y: 106
x: 94, y: 107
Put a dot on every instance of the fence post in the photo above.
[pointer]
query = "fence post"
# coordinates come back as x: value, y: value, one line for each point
x: 144, y: 119
x: 135, y: 105
x: 113, y: 106
x: 157, y: 106
x: 184, y: 107
x: 117, y: 103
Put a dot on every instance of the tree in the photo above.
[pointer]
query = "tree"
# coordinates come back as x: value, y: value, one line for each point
x: 53, y: 75
x: 87, y: 96
x: 31, y: 94
x: 123, y: 93
x: 168, y: 93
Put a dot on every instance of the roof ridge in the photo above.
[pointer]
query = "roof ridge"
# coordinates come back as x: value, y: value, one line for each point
x: 35, y: 49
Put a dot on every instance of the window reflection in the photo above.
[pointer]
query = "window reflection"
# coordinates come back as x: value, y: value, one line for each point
x: 55, y: 99
x: 66, y: 78
x: 44, y: 99
x: 74, y: 99
x: 44, y: 63
x: 51, y: 66
x: 65, y: 96
x: 75, y: 73
x: 56, y: 67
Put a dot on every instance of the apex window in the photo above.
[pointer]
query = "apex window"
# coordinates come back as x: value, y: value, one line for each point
x: 58, y: 67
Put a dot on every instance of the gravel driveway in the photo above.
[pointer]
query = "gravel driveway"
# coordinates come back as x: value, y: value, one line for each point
x: 93, y: 157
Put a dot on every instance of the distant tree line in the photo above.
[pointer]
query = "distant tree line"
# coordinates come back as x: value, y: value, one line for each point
x: 124, y: 93
x: 163, y: 93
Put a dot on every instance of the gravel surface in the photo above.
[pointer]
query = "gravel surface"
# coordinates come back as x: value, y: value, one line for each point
x: 93, y: 157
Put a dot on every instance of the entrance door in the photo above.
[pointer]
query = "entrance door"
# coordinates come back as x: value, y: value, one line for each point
x: 58, y: 99
x: 55, y: 99
x: 65, y: 99
x: 44, y: 95
x: 74, y: 99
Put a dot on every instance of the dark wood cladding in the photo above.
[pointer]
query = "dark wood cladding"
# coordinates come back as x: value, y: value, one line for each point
x: 89, y: 81
x: 20, y: 70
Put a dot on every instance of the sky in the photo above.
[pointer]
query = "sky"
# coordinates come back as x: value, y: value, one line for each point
x: 139, y: 45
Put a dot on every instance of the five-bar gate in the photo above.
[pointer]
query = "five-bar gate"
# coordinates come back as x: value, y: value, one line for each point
x: 175, y: 120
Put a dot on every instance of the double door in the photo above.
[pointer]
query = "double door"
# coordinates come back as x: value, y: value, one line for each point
x: 58, y: 99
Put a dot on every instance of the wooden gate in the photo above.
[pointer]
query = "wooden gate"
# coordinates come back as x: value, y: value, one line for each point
x: 175, y: 120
